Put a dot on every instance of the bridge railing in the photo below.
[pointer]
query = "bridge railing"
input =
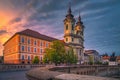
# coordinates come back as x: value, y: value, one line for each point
x: 15, y: 67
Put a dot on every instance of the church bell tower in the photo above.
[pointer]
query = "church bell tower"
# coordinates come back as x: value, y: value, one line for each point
x: 74, y: 34
x: 69, y: 23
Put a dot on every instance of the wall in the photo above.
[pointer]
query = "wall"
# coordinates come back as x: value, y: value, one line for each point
x: 61, y: 73
x: 13, y: 67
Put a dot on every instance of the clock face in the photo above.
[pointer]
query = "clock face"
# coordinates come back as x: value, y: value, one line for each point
x: 78, y: 28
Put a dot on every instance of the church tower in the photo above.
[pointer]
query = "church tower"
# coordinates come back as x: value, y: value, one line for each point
x: 79, y: 37
x: 73, y: 34
x: 69, y: 23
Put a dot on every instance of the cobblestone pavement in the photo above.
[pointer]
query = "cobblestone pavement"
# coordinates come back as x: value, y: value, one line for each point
x: 13, y: 75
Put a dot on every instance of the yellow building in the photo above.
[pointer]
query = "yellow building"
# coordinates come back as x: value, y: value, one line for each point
x: 23, y: 46
x: 74, y: 34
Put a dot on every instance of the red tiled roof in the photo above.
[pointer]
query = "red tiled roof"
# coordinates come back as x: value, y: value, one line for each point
x: 90, y: 51
x: 106, y: 57
x: 36, y: 34
x: 118, y: 57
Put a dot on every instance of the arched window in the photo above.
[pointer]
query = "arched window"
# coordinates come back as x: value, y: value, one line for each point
x: 67, y: 27
x: 66, y: 39
x: 72, y: 39
x: 72, y: 26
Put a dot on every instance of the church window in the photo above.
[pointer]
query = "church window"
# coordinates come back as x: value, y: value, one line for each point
x: 79, y: 40
x: 72, y: 27
x: 66, y: 39
x: 80, y: 52
x: 72, y: 39
x: 67, y: 27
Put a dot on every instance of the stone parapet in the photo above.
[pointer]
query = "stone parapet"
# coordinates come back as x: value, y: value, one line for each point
x: 50, y: 74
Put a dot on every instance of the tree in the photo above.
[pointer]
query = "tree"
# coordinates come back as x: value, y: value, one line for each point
x: 105, y: 54
x: 36, y: 60
x: 112, y: 57
x: 91, y: 60
x: 56, y: 53
x: 70, y: 56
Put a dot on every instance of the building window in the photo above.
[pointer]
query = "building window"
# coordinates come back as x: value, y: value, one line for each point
x: 40, y: 58
x: 80, y: 53
x: 66, y: 39
x: 79, y: 40
x: 22, y: 40
x: 35, y: 43
x: 28, y: 41
x: 40, y: 43
x: 28, y: 49
x: 34, y: 49
x: 46, y: 44
x: 72, y: 26
x: 41, y: 51
x: 67, y: 27
x: 22, y: 57
x: 28, y: 57
x: 23, y: 48
x: 72, y: 39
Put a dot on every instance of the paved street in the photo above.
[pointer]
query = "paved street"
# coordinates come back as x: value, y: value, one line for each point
x: 13, y: 75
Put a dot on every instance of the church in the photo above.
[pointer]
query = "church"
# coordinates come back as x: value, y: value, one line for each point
x: 74, y: 34
x: 23, y: 46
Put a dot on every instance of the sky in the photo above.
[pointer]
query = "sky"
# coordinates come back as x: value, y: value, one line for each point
x: 101, y: 19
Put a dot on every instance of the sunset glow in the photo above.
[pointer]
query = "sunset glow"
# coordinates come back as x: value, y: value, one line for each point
x: 100, y: 18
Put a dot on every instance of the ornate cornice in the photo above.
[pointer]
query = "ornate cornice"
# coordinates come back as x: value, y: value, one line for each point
x: 75, y: 44
x: 74, y: 35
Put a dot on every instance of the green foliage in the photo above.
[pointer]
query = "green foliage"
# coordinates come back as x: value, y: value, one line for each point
x: 35, y: 60
x: 71, y: 57
x: 55, y: 54
x: 106, y: 63
x: 91, y: 60
x: 98, y: 62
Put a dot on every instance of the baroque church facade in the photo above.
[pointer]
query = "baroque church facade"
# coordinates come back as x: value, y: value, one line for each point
x: 74, y: 34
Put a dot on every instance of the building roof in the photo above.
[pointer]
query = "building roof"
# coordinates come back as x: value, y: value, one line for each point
x: 36, y: 34
x: 106, y: 57
x: 86, y: 54
x: 32, y: 33
x: 91, y: 52
x: 118, y: 57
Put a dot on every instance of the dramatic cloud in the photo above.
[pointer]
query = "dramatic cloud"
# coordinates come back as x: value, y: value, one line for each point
x: 101, y: 19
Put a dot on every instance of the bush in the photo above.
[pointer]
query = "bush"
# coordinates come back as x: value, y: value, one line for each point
x: 90, y: 63
x: 36, y: 60
x: 106, y: 63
